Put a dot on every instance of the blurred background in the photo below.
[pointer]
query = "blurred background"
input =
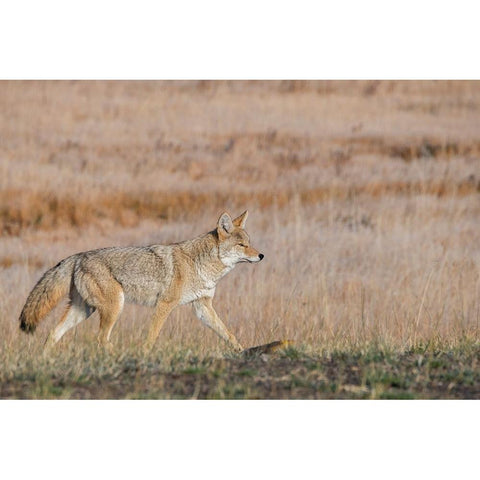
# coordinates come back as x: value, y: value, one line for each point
x: 363, y: 195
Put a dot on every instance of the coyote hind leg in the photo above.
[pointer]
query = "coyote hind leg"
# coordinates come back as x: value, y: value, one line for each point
x: 109, y: 312
x: 76, y: 312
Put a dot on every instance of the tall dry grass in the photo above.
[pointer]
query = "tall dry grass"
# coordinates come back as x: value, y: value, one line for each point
x: 363, y: 196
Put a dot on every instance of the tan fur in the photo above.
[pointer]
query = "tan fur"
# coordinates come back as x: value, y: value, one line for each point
x: 161, y: 276
x: 267, y: 348
x: 53, y: 285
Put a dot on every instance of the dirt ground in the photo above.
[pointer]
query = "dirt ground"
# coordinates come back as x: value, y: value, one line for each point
x: 292, y: 374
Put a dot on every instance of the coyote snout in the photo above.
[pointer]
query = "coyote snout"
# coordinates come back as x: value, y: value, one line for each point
x: 256, y: 258
x: 161, y: 276
x: 260, y: 257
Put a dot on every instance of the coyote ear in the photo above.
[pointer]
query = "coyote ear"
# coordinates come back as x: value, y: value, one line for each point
x: 225, y: 225
x: 241, y: 219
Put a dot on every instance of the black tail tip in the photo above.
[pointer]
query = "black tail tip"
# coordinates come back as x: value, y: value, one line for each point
x: 27, y: 327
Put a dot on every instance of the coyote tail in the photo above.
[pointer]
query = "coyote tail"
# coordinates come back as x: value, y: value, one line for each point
x: 48, y: 291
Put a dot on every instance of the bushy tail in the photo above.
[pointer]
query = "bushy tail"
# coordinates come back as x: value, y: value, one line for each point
x: 48, y: 291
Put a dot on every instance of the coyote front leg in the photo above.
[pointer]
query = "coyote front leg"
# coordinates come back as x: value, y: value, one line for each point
x: 206, y: 313
x: 162, y: 311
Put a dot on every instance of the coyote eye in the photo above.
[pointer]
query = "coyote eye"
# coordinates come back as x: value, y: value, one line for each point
x: 243, y: 245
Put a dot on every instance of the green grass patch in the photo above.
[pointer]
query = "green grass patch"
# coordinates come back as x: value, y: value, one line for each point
x: 364, y: 372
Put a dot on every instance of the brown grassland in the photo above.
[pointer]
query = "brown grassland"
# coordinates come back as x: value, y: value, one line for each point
x: 364, y: 197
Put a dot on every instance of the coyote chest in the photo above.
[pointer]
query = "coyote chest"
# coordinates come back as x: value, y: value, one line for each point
x: 202, y: 284
x: 195, y: 294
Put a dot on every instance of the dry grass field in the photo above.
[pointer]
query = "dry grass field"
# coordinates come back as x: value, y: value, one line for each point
x: 364, y: 197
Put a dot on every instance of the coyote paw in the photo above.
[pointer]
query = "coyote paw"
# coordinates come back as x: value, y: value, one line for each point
x: 107, y: 345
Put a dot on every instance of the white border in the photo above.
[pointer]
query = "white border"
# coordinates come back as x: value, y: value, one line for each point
x: 187, y: 39
x: 239, y: 439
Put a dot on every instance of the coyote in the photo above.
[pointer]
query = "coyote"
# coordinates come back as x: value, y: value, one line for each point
x: 161, y: 276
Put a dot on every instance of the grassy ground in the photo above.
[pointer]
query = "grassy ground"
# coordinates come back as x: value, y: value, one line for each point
x: 364, y: 197
x: 366, y: 373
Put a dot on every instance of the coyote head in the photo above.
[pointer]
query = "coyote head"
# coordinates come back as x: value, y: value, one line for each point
x: 234, y: 242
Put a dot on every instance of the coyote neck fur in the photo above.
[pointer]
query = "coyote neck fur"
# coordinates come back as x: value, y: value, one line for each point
x: 203, y: 255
